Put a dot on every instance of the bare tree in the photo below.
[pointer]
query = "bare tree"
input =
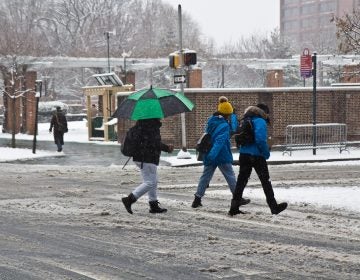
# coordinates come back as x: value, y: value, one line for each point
x: 348, y: 32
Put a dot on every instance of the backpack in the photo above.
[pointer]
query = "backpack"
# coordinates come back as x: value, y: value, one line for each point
x: 245, y: 133
x: 204, y: 144
x: 131, y: 142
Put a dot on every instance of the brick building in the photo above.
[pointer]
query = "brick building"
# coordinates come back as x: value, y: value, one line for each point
x: 308, y: 22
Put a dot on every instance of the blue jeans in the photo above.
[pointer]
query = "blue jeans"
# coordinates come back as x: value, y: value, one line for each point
x: 226, y: 169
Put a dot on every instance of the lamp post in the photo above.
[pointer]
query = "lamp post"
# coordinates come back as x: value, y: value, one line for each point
x: 38, y: 86
x: 183, y: 153
x: 13, y: 107
x: 107, y: 34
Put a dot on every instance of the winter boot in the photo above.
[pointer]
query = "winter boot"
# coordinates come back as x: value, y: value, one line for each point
x: 279, y: 208
x: 276, y: 208
x: 154, y: 207
x: 197, y: 202
x: 235, y: 204
x: 130, y: 199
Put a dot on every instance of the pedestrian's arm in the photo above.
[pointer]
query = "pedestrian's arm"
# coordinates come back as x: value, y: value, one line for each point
x: 261, y: 137
x: 51, y: 123
x: 221, y: 138
x: 166, y: 148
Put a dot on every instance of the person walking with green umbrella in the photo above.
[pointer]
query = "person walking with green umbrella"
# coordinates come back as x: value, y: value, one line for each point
x: 147, y: 159
x: 147, y: 107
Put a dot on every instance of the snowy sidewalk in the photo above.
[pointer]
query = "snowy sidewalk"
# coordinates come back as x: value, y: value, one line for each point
x: 277, y: 157
x: 78, y: 134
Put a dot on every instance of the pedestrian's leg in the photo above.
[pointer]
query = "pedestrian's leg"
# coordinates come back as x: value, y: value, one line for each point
x: 229, y: 174
x: 261, y: 168
x: 61, y: 136
x: 58, y: 144
x: 149, y: 177
x: 152, y: 193
x: 204, y: 181
x: 243, y: 177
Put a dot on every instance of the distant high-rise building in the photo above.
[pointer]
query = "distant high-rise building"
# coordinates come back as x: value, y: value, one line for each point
x: 310, y: 23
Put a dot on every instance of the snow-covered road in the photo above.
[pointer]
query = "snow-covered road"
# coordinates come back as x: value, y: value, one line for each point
x: 67, y: 222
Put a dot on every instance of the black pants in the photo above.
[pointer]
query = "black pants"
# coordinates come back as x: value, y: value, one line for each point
x: 247, y: 163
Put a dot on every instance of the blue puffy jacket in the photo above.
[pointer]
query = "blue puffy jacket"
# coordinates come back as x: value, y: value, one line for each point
x: 220, y: 152
x: 234, y: 123
x: 260, y: 146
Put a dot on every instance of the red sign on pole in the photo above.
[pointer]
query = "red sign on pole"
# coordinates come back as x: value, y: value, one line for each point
x: 306, y: 64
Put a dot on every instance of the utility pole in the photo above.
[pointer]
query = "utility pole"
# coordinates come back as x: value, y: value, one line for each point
x: 13, y: 89
x: 38, y: 86
x: 314, y: 101
x: 107, y: 34
x: 184, y: 153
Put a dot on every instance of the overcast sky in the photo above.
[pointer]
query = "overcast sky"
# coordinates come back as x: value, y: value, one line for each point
x: 227, y: 20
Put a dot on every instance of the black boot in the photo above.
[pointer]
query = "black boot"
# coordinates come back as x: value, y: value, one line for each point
x: 154, y: 207
x: 197, y: 202
x: 130, y: 199
x: 235, y: 204
x: 279, y: 208
x: 276, y: 208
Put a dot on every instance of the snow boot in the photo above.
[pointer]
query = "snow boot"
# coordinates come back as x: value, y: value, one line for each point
x: 154, y: 207
x: 279, y: 208
x: 276, y: 208
x: 197, y: 202
x: 127, y: 201
x: 235, y: 204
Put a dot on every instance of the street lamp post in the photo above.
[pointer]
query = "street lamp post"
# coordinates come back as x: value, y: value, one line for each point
x: 107, y: 34
x: 38, y: 86
x: 183, y: 153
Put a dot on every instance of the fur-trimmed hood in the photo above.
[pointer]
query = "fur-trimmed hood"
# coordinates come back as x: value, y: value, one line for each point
x: 252, y: 111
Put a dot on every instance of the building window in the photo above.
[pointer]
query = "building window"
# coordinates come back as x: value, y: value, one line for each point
x: 309, y: 23
x: 291, y: 25
x: 291, y: 2
x: 291, y: 12
x: 309, y: 9
x: 327, y: 7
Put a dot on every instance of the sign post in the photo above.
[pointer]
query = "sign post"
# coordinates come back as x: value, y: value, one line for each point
x: 305, y: 64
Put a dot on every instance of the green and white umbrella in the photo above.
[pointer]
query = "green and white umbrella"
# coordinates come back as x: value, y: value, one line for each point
x: 153, y: 103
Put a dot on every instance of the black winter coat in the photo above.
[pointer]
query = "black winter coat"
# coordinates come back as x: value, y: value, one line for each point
x: 151, y: 145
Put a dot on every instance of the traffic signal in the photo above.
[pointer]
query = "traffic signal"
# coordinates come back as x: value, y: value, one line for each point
x: 189, y: 57
x: 174, y: 60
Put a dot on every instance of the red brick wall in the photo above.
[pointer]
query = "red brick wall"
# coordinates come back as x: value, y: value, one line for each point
x: 288, y: 106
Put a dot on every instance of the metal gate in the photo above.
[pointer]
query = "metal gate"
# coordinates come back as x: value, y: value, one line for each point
x: 328, y: 135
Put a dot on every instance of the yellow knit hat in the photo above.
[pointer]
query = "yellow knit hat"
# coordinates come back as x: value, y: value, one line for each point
x: 225, y: 108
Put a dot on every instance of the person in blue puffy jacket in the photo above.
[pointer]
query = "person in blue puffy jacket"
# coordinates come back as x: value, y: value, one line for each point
x: 220, y: 154
x: 254, y: 155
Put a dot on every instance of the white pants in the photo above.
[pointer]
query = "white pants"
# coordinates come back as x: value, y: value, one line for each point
x: 150, y: 181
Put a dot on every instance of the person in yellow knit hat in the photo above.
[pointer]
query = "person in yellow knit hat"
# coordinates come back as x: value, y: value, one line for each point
x: 220, y: 155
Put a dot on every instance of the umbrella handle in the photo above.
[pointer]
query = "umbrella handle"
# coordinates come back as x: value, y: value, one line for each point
x: 126, y: 163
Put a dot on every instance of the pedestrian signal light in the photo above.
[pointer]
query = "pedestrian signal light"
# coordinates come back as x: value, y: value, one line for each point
x: 174, y: 60
x: 189, y: 57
